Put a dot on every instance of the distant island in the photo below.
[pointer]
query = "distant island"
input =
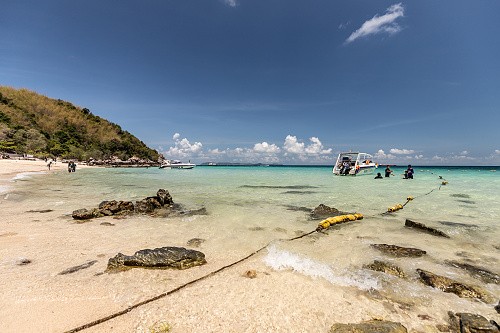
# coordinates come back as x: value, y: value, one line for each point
x: 35, y: 125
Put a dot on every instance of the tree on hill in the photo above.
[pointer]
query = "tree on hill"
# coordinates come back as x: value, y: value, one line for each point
x: 31, y: 123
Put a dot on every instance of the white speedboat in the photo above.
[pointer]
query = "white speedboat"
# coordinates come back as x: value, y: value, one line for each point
x: 176, y: 164
x: 354, y: 164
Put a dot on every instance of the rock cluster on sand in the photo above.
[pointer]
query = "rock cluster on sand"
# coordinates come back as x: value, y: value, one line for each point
x: 399, y: 251
x: 422, y: 227
x: 451, y: 286
x: 387, y: 268
x: 164, y: 257
x: 161, y: 205
x: 471, y: 323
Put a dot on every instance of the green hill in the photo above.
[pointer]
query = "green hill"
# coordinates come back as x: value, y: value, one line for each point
x: 31, y: 123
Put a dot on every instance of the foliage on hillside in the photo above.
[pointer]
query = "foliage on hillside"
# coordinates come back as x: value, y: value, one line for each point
x: 35, y: 124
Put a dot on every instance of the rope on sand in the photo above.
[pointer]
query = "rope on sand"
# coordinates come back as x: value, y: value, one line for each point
x: 155, y: 298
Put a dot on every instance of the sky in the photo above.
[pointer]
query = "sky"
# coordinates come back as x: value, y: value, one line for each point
x: 271, y: 81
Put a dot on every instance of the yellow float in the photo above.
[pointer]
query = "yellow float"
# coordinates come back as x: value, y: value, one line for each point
x: 325, y: 224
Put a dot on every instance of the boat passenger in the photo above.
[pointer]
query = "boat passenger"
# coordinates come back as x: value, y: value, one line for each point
x: 378, y: 176
x: 346, y: 166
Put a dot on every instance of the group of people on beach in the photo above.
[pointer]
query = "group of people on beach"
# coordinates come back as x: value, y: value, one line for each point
x: 388, y: 172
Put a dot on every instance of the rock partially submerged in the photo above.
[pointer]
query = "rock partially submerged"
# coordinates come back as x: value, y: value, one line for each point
x: 399, y: 251
x: 371, y: 326
x: 451, y: 286
x: 323, y: 211
x: 164, y: 257
x: 161, y: 205
x: 478, y: 272
x: 471, y: 323
x: 387, y: 268
x: 422, y: 227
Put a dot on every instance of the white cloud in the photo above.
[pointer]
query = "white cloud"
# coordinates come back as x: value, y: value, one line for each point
x: 231, y: 3
x: 293, y: 146
x: 380, y: 24
x: 380, y: 154
x: 465, y: 152
x: 183, y: 148
x: 265, y: 147
x: 402, y: 151
x: 497, y: 151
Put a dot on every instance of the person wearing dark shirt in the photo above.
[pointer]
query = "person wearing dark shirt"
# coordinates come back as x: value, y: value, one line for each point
x: 388, y: 171
x: 379, y: 176
x: 409, y: 172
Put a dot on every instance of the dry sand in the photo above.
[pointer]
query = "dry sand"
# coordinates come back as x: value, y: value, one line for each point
x: 35, y: 298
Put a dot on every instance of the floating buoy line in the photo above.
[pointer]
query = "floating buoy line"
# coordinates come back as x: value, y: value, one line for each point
x: 322, y: 226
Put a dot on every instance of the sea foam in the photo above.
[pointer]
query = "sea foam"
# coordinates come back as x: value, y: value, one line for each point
x: 24, y: 175
x: 283, y: 260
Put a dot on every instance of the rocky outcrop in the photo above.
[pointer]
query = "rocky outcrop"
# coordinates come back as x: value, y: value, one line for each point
x: 399, y: 251
x: 387, y: 268
x: 422, y: 227
x: 451, y: 286
x: 471, y: 323
x: 323, y: 211
x: 371, y: 326
x: 497, y: 307
x: 477, y: 272
x: 164, y: 257
x: 150, y: 205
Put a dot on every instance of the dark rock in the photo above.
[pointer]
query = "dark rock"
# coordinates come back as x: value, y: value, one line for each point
x: 497, y: 307
x: 77, y: 268
x: 424, y: 228
x: 399, y: 251
x: 323, y: 211
x: 164, y: 197
x: 371, y: 326
x: 384, y: 267
x: 82, y: 214
x: 195, y: 242
x: 471, y: 323
x: 451, y: 286
x: 147, y: 205
x: 478, y: 272
x: 164, y: 257
x: 107, y: 224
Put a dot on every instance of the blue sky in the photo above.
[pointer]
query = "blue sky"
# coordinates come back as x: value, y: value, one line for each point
x: 290, y: 81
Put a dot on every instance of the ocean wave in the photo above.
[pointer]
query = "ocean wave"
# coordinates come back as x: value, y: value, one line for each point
x: 284, y: 260
x: 24, y: 175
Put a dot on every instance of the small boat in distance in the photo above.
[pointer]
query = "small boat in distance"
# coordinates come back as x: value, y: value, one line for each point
x: 354, y: 163
x: 176, y: 164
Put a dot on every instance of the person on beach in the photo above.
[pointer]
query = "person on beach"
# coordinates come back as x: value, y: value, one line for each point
x: 409, y: 172
x: 49, y: 164
x: 379, y: 176
x: 388, y: 171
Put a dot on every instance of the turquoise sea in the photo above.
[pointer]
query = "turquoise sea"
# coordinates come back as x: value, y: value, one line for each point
x: 251, y: 207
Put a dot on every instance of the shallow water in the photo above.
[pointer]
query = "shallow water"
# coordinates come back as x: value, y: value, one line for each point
x: 250, y: 207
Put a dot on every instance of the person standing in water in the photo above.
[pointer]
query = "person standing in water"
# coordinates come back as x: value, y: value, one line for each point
x: 388, y: 171
x: 409, y: 172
